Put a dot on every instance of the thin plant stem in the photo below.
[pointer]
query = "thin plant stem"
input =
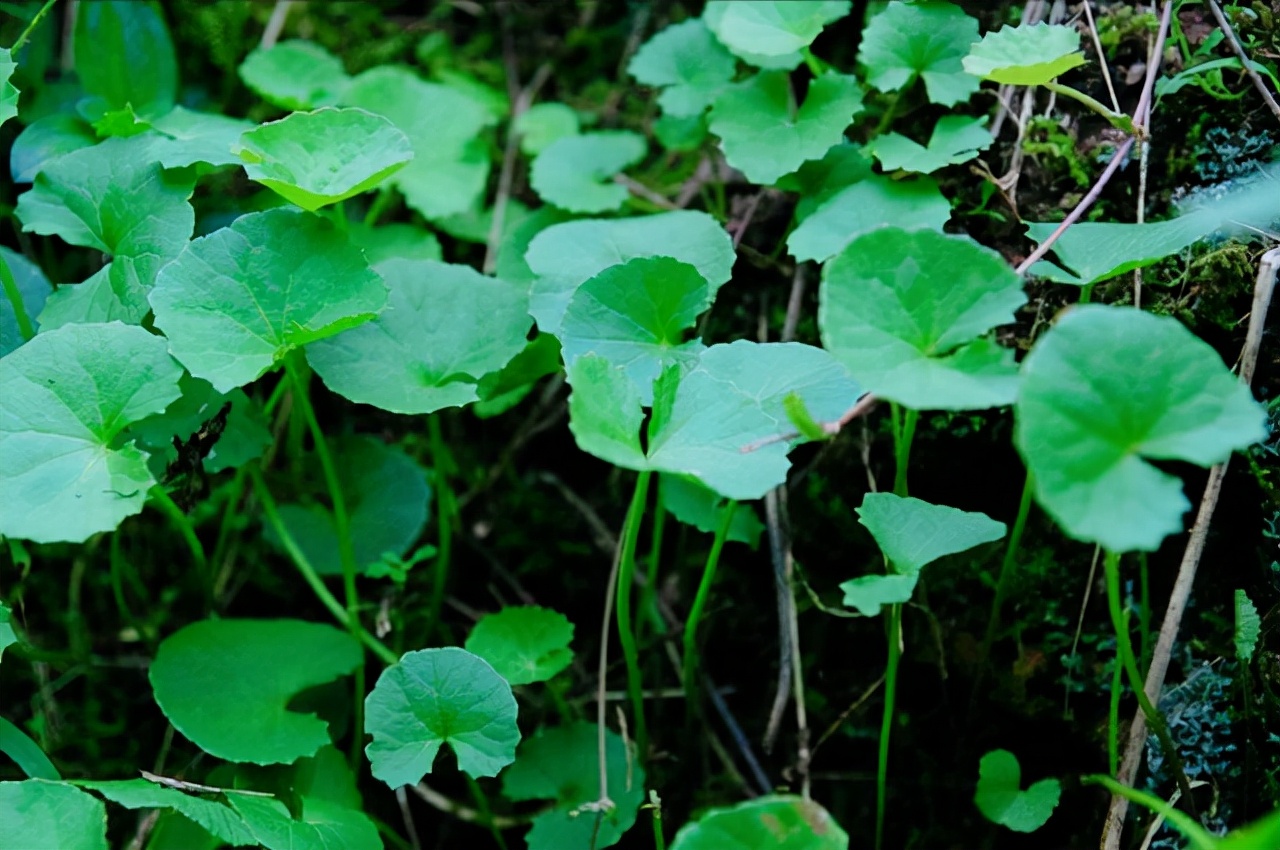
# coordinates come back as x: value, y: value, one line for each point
x: 342, y: 526
x: 15, y: 298
x: 445, y: 513
x: 1116, y: 119
x: 1124, y: 651
x: 902, y: 451
x: 182, y: 522
x: 31, y: 27
x: 1113, y: 714
x: 700, y: 603
x: 1144, y: 611
x: 626, y: 629
x: 649, y: 591
x: 485, y: 811
x: 1008, y: 566
x: 659, y: 841
x: 309, y: 574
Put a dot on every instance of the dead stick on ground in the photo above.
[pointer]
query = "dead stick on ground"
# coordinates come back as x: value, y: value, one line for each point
x: 1254, y: 76
x: 1113, y: 827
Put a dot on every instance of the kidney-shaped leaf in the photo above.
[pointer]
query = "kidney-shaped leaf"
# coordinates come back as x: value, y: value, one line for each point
x: 323, y: 825
x: 141, y: 794
x: 1025, y: 56
x: 562, y: 764
x: 236, y: 301
x: 387, y: 497
x: 446, y: 327
x: 41, y: 815
x: 778, y: 822
x: 319, y: 158
x: 769, y: 29
x: 226, y: 685
x: 1108, y: 388
x: 864, y: 206
x: 688, y: 62
x: 565, y: 255
x: 924, y: 40
x: 765, y: 137
x: 567, y: 173
x: 295, y: 74
x: 1001, y: 798
x: 65, y: 397
x: 912, y: 533
x: 525, y: 644
x: 904, y: 310
x: 434, y: 697
x: 635, y: 316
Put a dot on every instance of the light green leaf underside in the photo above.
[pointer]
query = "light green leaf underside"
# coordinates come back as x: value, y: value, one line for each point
x: 765, y: 137
x: 866, y: 205
x: 64, y: 399
x: 926, y: 41
x: 912, y: 533
x: 319, y: 158
x: 236, y: 301
x: 445, y: 328
x: 1025, y: 55
x: 568, y: 172
x: 225, y: 685
x: 1086, y: 429
x: 778, y: 822
x: 564, y: 256
x: 435, y: 697
x: 524, y: 644
x: 387, y: 500
x: 905, y: 311
x: 869, y: 593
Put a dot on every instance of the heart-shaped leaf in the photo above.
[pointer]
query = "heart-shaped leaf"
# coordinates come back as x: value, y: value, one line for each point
x: 544, y: 123
x: 863, y: 206
x: 923, y: 40
x: 65, y: 398
x: 1087, y: 429
x: 567, y: 173
x: 446, y: 327
x: 319, y: 158
x: 525, y: 644
x: 912, y: 533
x: 236, y: 301
x: 765, y: 136
x: 564, y: 256
x: 1026, y: 55
x: 690, y: 65
x: 226, y: 685
x: 295, y: 74
x: 1001, y: 798
x: 435, y: 697
x: 904, y: 310
x: 562, y: 764
x: 779, y: 822
x: 41, y: 815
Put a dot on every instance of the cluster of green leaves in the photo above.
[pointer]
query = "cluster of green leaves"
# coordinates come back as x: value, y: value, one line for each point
x: 101, y: 382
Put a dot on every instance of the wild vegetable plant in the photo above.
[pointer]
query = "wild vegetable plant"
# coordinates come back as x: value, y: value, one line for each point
x: 217, y: 348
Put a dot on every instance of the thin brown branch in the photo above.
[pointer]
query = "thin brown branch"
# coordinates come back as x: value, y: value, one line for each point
x: 1102, y: 56
x: 1238, y: 49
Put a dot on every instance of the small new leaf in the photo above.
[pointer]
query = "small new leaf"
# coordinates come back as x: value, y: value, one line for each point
x: 1001, y: 798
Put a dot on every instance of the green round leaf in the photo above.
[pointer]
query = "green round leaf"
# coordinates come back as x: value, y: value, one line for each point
x: 1025, y: 56
x: 868, y: 593
x: 451, y: 162
x: 771, y: 29
x: 295, y: 74
x: 563, y: 256
x: 689, y: 64
x: 434, y: 697
x: 765, y: 136
x: 922, y: 40
x: 562, y: 764
x: 387, y: 498
x: 226, y: 685
x: 635, y: 316
x: 1001, y: 798
x: 65, y: 397
x: 319, y: 158
x: 567, y: 172
x: 45, y: 140
x: 1086, y: 427
x: 912, y: 533
x: 544, y: 123
x: 33, y: 290
x: 322, y: 826
x: 777, y: 822
x: 236, y: 301
x: 904, y: 310
x: 955, y: 139
x: 867, y: 205
x: 141, y: 794
x: 524, y: 644
x: 186, y: 137
x: 445, y: 328
x: 41, y: 815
